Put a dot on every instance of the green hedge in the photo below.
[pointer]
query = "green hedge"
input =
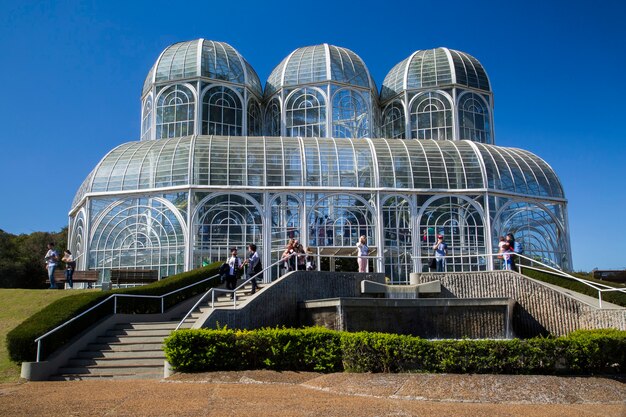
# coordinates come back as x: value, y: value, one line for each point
x: 310, y: 349
x: 545, y: 276
x: 20, y: 340
x: 319, y: 349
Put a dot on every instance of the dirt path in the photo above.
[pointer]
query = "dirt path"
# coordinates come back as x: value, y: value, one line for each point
x: 264, y: 393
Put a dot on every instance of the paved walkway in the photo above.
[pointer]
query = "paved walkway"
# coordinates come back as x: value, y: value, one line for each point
x: 265, y: 393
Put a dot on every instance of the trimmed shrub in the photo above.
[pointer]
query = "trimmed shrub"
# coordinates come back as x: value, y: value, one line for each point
x: 21, y: 340
x: 311, y: 349
x: 319, y: 349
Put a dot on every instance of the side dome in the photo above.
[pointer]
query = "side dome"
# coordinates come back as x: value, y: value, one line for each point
x: 435, y: 68
x: 319, y: 64
x: 202, y: 58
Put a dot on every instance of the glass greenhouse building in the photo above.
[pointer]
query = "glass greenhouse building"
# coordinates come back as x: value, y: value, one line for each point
x: 319, y: 155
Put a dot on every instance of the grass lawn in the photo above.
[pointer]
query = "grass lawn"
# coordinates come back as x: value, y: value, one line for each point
x: 16, y: 305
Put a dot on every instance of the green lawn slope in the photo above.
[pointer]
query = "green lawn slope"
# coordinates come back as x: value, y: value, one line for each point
x: 16, y: 306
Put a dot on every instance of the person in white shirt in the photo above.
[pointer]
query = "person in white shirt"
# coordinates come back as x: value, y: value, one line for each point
x: 51, y: 259
x: 363, y: 252
x: 233, y: 272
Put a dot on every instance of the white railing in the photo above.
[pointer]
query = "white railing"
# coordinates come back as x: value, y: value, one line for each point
x: 600, y: 288
x: 541, y: 266
x: 213, y: 292
x: 114, y: 297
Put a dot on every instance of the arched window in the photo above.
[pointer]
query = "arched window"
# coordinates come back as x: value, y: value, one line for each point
x: 255, y: 127
x: 222, y: 222
x: 535, y: 227
x: 397, y: 232
x: 146, y: 119
x: 138, y: 233
x: 462, y: 226
x: 272, y: 118
x: 175, y: 112
x: 474, y: 119
x: 306, y: 113
x: 221, y: 112
x: 431, y: 117
x: 285, y: 222
x: 393, y: 121
x: 351, y: 117
x: 76, y: 239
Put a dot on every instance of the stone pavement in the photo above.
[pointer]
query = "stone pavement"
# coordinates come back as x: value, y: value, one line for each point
x: 266, y: 393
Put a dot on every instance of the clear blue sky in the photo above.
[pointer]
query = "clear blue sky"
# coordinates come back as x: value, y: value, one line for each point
x: 72, y: 73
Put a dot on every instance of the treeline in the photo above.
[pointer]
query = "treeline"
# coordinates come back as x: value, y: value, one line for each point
x: 21, y: 258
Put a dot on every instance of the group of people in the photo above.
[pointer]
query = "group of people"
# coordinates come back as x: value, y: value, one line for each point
x: 507, y: 248
x: 52, y: 259
x: 235, y: 268
x: 296, y: 258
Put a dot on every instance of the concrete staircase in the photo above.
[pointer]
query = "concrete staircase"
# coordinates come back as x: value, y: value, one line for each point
x: 133, y: 350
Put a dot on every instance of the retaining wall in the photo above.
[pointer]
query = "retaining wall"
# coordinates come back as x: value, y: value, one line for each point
x: 540, y: 309
x: 277, y: 304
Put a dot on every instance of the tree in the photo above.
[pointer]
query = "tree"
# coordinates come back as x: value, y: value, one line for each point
x: 21, y: 258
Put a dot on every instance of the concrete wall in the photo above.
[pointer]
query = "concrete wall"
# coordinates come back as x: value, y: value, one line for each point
x: 539, y: 310
x: 428, y: 318
x: 277, y: 304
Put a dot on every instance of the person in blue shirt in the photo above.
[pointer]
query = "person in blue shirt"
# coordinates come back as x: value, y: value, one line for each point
x: 441, y: 250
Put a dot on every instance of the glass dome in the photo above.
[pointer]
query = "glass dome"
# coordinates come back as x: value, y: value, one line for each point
x: 321, y: 162
x: 435, y: 68
x: 318, y: 64
x: 202, y: 58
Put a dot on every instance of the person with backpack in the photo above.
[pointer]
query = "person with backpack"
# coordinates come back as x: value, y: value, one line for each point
x: 253, y: 263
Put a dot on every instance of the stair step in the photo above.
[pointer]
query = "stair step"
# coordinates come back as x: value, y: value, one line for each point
x: 147, y: 325
x: 116, y: 362
x: 83, y: 377
x: 111, y: 370
x: 98, y: 354
x: 125, y: 347
x: 129, y: 339
x: 139, y: 333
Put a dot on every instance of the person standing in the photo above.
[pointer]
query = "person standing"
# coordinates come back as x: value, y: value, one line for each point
x: 254, y: 266
x: 363, y: 252
x: 70, y: 265
x: 441, y: 250
x: 51, y: 258
x: 234, y: 268
x: 510, y: 240
x: 300, y: 257
x: 507, y: 257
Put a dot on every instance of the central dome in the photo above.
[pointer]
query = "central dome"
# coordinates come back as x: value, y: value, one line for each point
x: 202, y: 58
x: 318, y: 64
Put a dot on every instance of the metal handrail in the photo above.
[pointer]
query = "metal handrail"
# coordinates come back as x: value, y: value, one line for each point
x: 212, y: 291
x: 114, y: 297
x: 601, y: 288
x: 595, y: 285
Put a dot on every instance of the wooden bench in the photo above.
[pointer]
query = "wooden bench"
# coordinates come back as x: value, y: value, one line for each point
x: 133, y: 276
x: 89, y: 277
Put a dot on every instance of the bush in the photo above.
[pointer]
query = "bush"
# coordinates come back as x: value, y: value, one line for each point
x: 618, y: 298
x: 21, y: 340
x: 311, y: 349
x: 319, y: 349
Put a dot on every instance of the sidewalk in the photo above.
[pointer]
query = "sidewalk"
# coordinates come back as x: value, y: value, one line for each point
x: 266, y: 393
